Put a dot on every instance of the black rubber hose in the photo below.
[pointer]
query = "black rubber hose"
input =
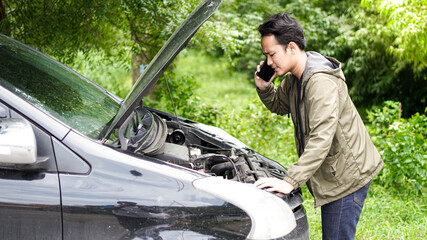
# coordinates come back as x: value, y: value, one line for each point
x: 220, y: 168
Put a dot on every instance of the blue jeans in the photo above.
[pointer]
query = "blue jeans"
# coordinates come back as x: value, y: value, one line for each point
x: 340, y: 218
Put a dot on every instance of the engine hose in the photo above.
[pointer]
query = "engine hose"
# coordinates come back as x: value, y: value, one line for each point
x: 220, y: 168
x: 218, y: 159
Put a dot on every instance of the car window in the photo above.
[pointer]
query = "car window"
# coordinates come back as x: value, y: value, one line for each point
x: 55, y: 88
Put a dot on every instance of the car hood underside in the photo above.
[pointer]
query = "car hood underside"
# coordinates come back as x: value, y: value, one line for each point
x: 161, y: 61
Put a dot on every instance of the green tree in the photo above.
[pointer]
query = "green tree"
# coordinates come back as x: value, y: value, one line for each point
x: 373, y: 73
x: 407, y: 19
x: 63, y: 28
x: 361, y: 39
x: 233, y: 31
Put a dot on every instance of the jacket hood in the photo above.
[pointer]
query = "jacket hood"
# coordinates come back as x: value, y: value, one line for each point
x: 317, y: 63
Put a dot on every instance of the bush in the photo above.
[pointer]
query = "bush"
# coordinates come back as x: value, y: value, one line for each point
x: 265, y: 132
x: 402, y: 145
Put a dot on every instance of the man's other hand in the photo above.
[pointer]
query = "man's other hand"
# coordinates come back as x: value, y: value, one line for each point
x: 274, y: 184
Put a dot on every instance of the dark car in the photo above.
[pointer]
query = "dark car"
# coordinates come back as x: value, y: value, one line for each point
x: 77, y: 162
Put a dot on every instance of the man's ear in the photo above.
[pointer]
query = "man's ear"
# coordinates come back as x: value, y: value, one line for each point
x: 293, y: 47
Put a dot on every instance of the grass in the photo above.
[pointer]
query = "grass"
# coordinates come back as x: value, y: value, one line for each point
x: 219, y: 85
x: 385, y: 215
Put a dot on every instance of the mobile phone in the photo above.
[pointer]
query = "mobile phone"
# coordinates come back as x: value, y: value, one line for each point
x: 266, y: 72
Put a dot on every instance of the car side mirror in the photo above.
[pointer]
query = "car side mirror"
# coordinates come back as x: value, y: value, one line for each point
x: 17, y: 142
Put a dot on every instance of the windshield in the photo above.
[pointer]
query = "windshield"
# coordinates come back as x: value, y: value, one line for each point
x: 55, y: 89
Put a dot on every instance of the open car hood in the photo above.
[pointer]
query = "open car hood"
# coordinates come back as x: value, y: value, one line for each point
x: 161, y: 61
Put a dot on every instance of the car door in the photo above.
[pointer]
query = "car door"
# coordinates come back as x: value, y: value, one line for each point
x: 30, y: 206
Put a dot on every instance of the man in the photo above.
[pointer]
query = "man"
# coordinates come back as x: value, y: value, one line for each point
x: 337, y: 159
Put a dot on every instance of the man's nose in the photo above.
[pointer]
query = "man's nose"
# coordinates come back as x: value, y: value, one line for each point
x: 269, y: 61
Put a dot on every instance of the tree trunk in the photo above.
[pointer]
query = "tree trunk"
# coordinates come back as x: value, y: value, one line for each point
x: 136, y: 67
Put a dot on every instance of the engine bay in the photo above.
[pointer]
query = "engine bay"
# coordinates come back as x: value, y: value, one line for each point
x: 188, y: 144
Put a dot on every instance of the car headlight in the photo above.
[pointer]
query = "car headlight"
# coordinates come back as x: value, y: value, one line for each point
x: 271, y: 217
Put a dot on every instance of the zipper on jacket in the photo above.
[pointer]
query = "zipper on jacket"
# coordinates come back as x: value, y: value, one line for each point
x: 301, y: 131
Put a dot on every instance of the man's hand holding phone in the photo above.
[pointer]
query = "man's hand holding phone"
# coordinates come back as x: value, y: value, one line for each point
x: 264, y: 75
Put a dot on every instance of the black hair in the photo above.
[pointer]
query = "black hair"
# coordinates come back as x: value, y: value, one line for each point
x: 286, y: 29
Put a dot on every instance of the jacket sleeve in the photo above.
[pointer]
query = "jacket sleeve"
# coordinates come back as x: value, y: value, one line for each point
x: 322, y: 96
x: 276, y: 99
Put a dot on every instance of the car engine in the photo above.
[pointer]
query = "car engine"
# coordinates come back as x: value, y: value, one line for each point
x: 208, y: 153
x: 190, y: 144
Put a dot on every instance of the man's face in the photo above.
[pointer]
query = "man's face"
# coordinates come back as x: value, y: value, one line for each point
x: 277, y: 57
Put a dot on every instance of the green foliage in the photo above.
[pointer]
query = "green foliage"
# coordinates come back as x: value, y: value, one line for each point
x: 59, y: 28
x: 263, y: 131
x: 320, y: 25
x: 186, y: 103
x: 233, y: 30
x: 373, y: 74
x: 361, y: 40
x: 150, y: 23
x: 403, y: 147
x: 407, y: 19
x: 62, y: 28
x: 109, y: 71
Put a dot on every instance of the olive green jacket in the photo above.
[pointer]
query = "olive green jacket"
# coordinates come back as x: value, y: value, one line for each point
x: 334, y: 148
